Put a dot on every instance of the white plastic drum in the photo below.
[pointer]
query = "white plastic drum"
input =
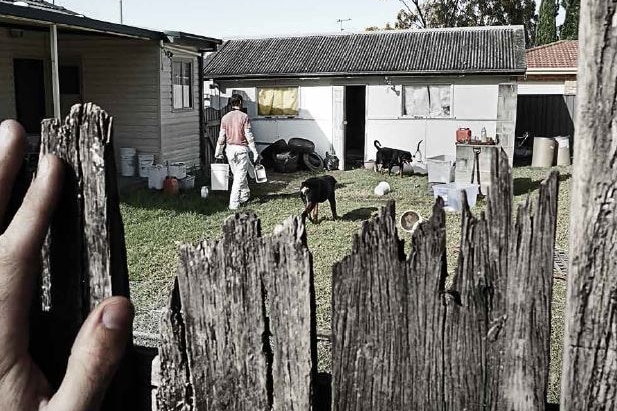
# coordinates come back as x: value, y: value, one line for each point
x: 127, y: 161
x: 145, y: 162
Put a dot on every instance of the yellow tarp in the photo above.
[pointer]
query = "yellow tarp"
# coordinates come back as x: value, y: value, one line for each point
x: 278, y: 101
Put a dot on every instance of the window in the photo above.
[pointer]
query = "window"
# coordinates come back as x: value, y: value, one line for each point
x: 277, y: 101
x: 427, y: 101
x: 182, y: 80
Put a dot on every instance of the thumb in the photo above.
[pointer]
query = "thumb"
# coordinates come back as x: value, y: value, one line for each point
x: 95, y: 356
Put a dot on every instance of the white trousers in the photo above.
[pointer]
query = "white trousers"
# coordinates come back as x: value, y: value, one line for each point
x: 239, y: 161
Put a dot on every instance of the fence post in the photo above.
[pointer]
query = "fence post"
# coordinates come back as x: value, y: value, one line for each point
x: 84, y: 257
x: 589, y: 377
x: 248, y: 314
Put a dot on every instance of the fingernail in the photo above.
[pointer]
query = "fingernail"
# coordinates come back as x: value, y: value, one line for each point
x: 117, y: 316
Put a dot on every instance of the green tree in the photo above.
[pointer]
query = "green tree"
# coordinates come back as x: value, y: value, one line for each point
x: 569, y: 30
x: 547, y: 26
x: 463, y: 13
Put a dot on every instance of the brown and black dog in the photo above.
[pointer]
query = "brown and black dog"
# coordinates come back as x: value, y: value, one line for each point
x: 389, y: 157
x: 317, y: 190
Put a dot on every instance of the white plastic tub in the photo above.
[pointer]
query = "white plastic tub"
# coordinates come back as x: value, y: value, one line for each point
x: 440, y: 169
x: 187, y: 183
x: 156, y: 177
x: 177, y: 170
x: 452, y: 197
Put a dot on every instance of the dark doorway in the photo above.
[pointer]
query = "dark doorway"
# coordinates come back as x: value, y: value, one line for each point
x: 29, y: 77
x: 545, y: 115
x: 355, y: 117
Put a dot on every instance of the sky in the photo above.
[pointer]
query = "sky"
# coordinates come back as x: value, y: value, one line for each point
x: 241, y: 18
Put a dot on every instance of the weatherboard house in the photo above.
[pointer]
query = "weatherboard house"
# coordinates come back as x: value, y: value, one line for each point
x: 149, y: 81
x: 343, y: 91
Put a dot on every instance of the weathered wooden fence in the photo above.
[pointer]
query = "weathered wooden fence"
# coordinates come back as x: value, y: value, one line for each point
x: 401, y: 340
x: 212, y: 126
x: 239, y: 332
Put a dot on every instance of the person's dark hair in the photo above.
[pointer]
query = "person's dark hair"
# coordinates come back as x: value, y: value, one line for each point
x: 235, y: 100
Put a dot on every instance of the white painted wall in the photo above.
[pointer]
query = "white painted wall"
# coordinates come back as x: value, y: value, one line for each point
x: 314, y: 121
x: 474, y: 105
x: 121, y: 76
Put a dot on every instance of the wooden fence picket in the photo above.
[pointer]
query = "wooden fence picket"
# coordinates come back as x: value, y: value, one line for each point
x: 402, y: 341
x: 248, y: 308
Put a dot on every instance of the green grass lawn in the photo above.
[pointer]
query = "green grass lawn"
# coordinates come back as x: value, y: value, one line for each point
x: 155, y: 225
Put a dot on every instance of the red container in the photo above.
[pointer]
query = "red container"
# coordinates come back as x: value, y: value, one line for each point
x: 463, y: 135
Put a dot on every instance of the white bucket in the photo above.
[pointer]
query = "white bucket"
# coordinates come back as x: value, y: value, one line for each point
x: 220, y: 176
x: 127, y: 151
x: 177, y: 170
x: 156, y: 176
x: 145, y: 161
x: 127, y: 164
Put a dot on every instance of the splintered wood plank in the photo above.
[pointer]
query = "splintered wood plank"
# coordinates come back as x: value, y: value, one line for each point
x: 387, y: 319
x: 248, y: 308
x: 401, y: 341
x: 589, y: 377
x: 84, y: 257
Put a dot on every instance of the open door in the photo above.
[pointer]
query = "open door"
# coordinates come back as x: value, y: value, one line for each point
x: 338, y: 124
x: 355, y: 122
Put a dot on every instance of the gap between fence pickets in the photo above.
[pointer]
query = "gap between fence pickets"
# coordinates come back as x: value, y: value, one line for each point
x: 244, y: 321
x: 502, y: 291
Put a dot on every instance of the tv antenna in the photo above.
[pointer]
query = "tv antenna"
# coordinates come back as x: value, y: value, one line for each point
x: 341, y: 21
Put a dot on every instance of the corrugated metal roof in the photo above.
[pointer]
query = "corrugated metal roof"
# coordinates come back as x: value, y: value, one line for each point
x: 427, y: 51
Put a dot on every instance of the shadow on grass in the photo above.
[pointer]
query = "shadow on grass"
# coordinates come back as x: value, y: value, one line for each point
x: 525, y: 185
x: 359, y: 214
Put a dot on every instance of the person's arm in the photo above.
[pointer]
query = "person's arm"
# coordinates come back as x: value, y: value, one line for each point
x: 220, y: 144
x: 250, y: 139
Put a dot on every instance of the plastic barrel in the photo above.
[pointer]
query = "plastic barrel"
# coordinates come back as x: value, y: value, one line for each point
x: 127, y: 161
x: 563, y: 151
x: 145, y: 161
x: 543, y: 152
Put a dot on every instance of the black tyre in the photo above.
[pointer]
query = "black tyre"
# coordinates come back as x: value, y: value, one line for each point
x: 312, y: 161
x: 268, y: 153
x: 301, y: 145
x: 286, y: 162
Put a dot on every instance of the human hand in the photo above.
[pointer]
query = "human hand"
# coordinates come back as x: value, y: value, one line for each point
x: 99, y: 346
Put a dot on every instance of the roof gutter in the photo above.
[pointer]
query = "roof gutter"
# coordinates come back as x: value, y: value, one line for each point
x: 268, y: 76
x: 551, y: 70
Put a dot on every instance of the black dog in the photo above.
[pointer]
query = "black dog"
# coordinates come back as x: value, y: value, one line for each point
x: 389, y: 157
x: 317, y: 190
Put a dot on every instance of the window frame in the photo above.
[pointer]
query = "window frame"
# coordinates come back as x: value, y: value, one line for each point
x: 429, y: 117
x: 277, y: 115
x: 183, y: 62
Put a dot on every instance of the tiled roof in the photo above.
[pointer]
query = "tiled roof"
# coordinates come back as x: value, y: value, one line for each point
x: 41, y: 4
x: 561, y: 54
x: 427, y: 51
